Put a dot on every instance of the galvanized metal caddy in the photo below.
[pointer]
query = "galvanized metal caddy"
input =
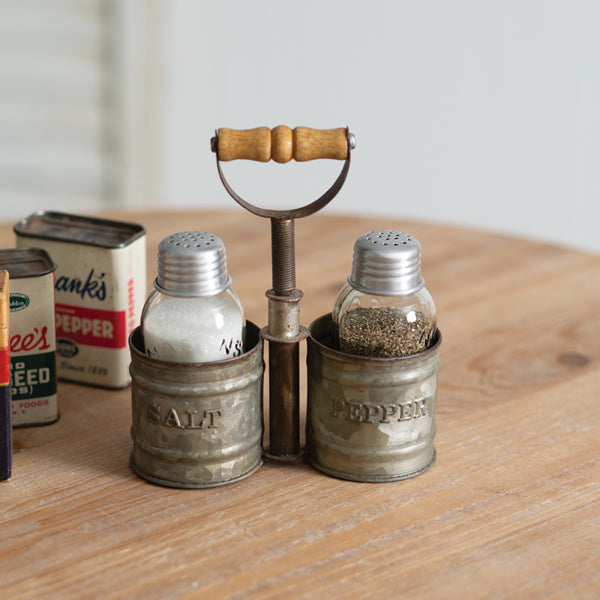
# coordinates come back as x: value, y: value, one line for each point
x: 197, y: 425
x: 369, y: 419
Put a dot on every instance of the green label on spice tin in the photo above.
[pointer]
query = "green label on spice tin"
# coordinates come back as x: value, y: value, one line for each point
x: 33, y: 376
x: 18, y: 302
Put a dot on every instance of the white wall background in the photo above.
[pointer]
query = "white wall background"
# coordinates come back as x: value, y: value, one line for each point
x: 476, y: 113
x: 470, y: 112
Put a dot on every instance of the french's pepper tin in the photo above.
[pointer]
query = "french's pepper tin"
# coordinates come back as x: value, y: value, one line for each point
x: 100, y: 291
x: 32, y: 336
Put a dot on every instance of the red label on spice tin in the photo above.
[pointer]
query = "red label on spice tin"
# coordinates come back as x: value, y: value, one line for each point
x: 93, y: 327
x: 4, y: 367
x: 100, y: 291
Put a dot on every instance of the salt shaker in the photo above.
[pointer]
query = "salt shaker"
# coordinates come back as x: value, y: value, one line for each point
x: 193, y: 314
x: 385, y: 310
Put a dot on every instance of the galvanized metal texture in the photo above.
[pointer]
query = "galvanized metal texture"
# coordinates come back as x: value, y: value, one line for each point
x: 369, y: 419
x: 284, y: 317
x: 197, y: 425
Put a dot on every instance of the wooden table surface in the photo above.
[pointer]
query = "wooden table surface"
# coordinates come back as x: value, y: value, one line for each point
x: 511, y: 509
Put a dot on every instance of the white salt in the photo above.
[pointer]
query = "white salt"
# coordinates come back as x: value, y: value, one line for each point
x: 194, y: 329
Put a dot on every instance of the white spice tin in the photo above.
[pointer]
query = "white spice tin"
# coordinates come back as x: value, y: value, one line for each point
x: 100, y: 290
x: 32, y: 336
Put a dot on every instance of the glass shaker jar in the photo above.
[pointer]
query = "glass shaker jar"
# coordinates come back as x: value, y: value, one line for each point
x: 193, y: 314
x: 385, y: 310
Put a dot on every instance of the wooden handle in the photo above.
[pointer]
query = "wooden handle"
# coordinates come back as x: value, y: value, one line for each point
x: 249, y: 144
x: 282, y: 144
x: 320, y: 143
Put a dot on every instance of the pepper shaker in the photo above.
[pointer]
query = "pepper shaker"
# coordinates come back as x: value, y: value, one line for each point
x: 373, y: 368
x: 385, y: 310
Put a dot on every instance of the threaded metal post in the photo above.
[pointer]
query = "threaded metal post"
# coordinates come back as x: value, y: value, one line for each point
x: 283, y: 260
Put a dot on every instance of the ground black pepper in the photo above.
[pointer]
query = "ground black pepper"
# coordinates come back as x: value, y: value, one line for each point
x: 385, y: 332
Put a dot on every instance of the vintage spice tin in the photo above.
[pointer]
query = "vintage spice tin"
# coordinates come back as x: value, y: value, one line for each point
x: 5, y: 416
x: 32, y: 335
x: 369, y: 419
x: 197, y: 425
x: 100, y: 291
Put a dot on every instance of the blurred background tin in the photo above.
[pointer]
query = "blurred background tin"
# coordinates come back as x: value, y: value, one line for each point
x: 100, y: 291
x: 32, y: 335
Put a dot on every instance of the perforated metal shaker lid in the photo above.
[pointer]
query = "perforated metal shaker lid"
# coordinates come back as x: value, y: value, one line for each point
x: 191, y: 264
x: 387, y: 263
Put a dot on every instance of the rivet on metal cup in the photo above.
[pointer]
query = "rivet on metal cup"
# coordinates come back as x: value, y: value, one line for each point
x: 197, y: 425
x: 369, y: 419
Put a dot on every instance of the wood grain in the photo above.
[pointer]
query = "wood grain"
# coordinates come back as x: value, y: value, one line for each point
x: 511, y: 509
x: 282, y: 141
x: 310, y: 144
x: 247, y: 144
x: 282, y: 144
